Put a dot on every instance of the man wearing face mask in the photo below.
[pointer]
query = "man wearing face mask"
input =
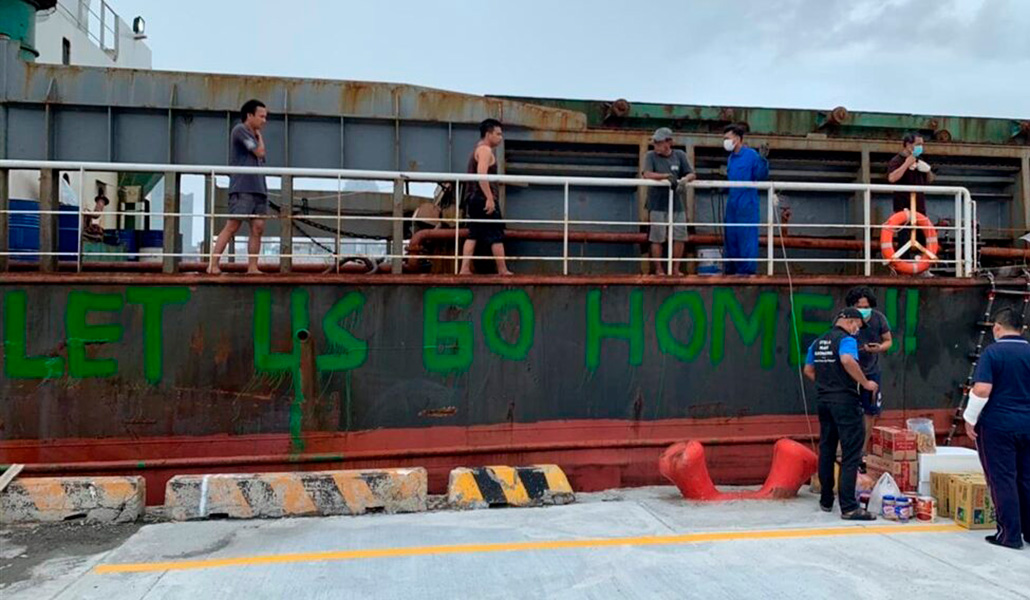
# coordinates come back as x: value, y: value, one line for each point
x: 874, y: 339
x: 907, y: 168
x: 742, y: 207
x: 833, y: 364
x: 998, y: 419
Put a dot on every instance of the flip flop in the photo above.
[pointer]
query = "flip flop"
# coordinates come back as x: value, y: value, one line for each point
x: 859, y: 514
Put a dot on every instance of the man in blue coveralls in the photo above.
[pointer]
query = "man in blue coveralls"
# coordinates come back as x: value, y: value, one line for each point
x: 742, y: 207
x: 998, y: 418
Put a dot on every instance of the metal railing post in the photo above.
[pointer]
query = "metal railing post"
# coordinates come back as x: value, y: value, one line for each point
x: 209, y: 216
x: 339, y: 221
x: 771, y: 232
x: 867, y: 212
x: 173, y: 204
x: 79, y: 227
x: 974, y: 259
x: 565, y: 236
x: 457, y: 226
x: 5, y: 219
x: 285, y: 228
x: 959, y: 226
x: 49, y: 203
x: 669, y: 233
x: 397, y: 237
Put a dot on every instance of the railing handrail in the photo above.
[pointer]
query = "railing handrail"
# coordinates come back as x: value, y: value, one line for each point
x: 965, y: 207
x: 434, y: 177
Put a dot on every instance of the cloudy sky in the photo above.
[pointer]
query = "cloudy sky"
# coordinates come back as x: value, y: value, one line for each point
x: 965, y: 57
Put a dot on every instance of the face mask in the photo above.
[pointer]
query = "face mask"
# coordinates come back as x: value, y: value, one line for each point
x: 866, y: 312
x: 728, y: 145
x: 917, y: 151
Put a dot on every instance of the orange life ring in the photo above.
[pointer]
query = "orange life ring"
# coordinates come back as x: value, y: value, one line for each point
x: 921, y: 262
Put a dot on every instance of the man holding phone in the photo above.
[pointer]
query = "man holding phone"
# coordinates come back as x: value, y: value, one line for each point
x: 874, y: 339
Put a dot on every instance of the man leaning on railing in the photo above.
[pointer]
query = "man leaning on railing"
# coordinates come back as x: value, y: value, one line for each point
x: 665, y: 164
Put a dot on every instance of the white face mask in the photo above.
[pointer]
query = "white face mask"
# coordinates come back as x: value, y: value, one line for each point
x: 728, y: 144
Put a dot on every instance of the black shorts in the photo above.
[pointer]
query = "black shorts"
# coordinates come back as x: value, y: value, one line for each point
x: 246, y: 204
x: 490, y: 233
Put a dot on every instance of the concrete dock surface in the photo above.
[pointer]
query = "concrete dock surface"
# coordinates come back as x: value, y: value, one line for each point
x: 641, y: 543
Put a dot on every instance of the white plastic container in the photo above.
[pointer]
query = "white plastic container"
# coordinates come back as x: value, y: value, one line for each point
x: 947, y: 459
x: 710, y: 261
x: 150, y: 255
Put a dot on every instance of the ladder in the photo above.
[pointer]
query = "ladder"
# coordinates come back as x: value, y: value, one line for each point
x: 984, y: 325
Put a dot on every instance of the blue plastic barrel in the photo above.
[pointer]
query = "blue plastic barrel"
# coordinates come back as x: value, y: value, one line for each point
x: 128, y: 239
x: 24, y: 230
x: 151, y: 239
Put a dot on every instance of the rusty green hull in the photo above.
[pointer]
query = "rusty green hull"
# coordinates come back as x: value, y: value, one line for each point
x: 189, y: 373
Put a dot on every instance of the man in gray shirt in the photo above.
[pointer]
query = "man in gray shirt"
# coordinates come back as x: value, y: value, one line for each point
x: 665, y: 164
x: 874, y: 339
x: 248, y: 196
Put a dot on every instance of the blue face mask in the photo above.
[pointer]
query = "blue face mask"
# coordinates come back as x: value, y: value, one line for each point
x: 866, y: 312
x: 917, y: 151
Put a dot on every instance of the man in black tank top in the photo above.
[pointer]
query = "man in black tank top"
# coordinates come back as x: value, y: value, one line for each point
x: 833, y: 364
x: 480, y: 200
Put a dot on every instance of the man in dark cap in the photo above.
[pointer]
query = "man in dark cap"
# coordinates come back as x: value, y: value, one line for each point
x: 833, y: 364
x: 665, y: 163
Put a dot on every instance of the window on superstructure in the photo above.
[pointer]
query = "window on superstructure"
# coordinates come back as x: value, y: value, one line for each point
x: 66, y: 51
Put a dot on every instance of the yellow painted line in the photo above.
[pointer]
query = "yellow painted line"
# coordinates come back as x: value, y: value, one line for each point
x: 654, y: 540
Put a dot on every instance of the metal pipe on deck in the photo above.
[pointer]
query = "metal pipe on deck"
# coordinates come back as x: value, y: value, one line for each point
x: 418, y: 241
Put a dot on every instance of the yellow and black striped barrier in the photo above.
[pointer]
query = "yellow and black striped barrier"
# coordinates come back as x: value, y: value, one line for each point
x: 483, y: 487
x: 296, y: 494
x: 94, y: 499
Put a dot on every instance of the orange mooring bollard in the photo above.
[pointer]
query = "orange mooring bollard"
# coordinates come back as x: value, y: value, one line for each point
x: 684, y: 465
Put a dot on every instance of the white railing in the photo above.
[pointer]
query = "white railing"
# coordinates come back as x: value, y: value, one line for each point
x: 964, y: 262
x: 102, y: 26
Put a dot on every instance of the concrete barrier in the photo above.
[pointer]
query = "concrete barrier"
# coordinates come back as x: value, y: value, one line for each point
x: 52, y: 499
x: 295, y: 494
x: 484, y: 487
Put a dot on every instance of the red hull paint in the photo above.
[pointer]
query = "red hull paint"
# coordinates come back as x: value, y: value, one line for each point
x: 596, y: 454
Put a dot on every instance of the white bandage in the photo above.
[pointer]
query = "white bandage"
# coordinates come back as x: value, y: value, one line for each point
x: 923, y: 166
x: 973, y: 408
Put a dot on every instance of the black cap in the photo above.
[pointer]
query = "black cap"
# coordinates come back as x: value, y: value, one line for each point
x: 849, y: 313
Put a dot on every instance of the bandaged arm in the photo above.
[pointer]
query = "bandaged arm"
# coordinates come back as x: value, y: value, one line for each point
x: 977, y: 401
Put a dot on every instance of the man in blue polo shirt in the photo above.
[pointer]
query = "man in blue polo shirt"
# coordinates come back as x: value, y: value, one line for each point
x: 998, y: 418
x: 742, y: 206
x: 833, y: 364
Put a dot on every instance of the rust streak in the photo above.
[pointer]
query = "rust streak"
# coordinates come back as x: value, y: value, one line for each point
x: 439, y: 413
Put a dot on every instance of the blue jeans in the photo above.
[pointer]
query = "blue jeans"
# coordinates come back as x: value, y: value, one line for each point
x: 872, y: 406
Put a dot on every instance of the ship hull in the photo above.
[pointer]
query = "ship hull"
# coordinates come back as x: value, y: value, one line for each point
x: 178, y: 374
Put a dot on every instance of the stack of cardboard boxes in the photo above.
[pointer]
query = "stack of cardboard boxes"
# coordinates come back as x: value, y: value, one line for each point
x: 895, y: 451
x: 963, y: 497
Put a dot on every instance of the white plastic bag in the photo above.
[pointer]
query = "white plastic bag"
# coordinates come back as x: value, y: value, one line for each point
x: 885, y: 486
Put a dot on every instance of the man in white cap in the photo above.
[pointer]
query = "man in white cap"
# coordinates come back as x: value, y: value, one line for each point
x: 665, y: 164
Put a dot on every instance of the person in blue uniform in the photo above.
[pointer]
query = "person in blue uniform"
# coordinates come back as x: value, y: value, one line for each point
x: 998, y: 418
x: 833, y: 364
x: 742, y: 207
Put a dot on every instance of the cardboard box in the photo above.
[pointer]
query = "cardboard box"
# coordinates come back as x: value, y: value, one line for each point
x: 953, y: 488
x: 939, y: 490
x: 894, y: 443
x: 904, y: 472
x: 974, y: 508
